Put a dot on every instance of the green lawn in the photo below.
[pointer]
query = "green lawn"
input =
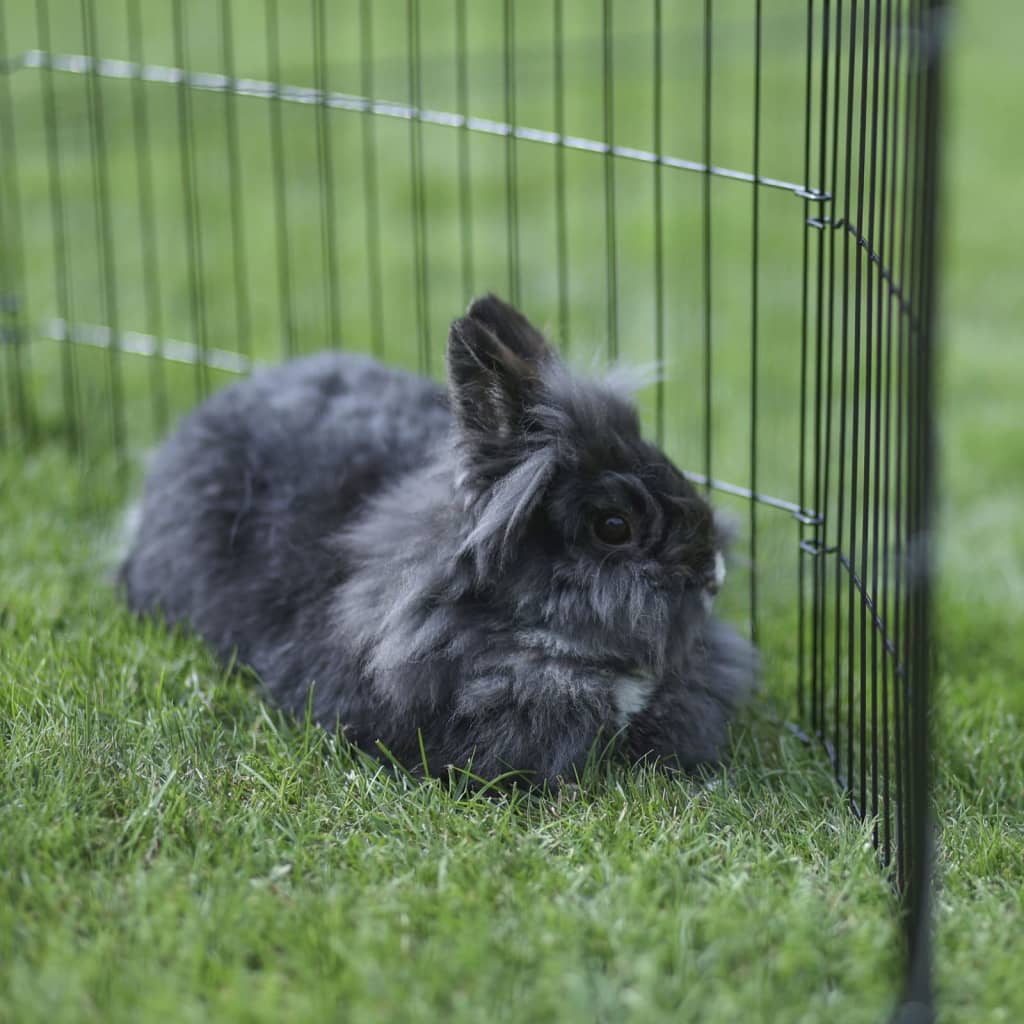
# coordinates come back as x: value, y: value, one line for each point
x: 171, y: 849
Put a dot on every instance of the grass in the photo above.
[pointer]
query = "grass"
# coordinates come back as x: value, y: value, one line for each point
x: 172, y: 849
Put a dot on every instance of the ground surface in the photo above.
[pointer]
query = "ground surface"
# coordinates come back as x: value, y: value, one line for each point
x: 172, y: 850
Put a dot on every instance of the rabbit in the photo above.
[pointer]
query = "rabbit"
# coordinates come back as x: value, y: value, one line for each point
x: 496, y: 577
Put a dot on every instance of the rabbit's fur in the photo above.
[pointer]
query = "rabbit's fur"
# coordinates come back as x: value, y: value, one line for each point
x: 429, y: 563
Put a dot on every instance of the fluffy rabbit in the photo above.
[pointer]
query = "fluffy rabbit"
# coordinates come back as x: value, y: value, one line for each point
x: 496, y: 578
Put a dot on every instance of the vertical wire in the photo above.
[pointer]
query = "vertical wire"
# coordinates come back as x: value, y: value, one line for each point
x: 370, y: 196
x: 910, y: 338
x: 284, y: 278
x: 913, y: 410
x: 706, y: 239
x: 914, y: 407
x: 239, y: 246
x: 801, y: 554
x: 148, y: 232
x: 418, y: 197
x: 855, y: 436
x: 12, y: 269
x: 820, y: 451
x: 104, y: 229
x: 826, y: 502
x: 325, y: 164
x: 890, y: 663
x: 924, y: 469
x: 899, y: 268
x: 465, y: 193
x: 919, y: 969
x: 898, y: 622
x: 562, y: 214
x: 611, y: 268
x: 868, y: 496
x: 754, y: 312
x: 844, y: 395
x: 193, y: 233
x: 659, y: 241
x: 61, y: 259
x: 879, y: 697
x: 511, y: 164
x: 925, y: 81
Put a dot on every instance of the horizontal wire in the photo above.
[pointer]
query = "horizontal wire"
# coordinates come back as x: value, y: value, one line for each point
x: 869, y: 604
x: 816, y: 549
x: 804, y: 515
x: 140, y: 344
x: 886, y: 274
x: 835, y: 760
x: 211, y: 82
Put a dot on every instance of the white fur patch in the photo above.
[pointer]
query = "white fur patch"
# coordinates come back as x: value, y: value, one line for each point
x: 630, y: 380
x: 631, y: 694
x: 707, y: 598
x: 121, y: 541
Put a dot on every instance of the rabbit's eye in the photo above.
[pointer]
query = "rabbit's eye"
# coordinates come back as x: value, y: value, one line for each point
x: 612, y: 528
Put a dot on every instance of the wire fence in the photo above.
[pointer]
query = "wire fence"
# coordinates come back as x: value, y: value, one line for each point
x: 745, y: 193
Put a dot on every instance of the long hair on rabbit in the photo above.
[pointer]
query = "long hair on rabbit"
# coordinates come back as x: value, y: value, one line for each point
x: 499, y: 576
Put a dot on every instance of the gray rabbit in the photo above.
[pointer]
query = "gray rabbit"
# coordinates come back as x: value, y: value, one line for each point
x: 497, y: 578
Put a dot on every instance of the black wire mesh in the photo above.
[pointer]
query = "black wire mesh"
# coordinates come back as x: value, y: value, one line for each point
x: 211, y: 186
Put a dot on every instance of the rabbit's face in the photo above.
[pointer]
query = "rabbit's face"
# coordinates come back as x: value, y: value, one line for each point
x: 619, y: 559
x: 624, y: 508
x: 595, y: 542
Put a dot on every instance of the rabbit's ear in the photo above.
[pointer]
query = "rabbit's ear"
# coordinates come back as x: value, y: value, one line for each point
x: 511, y: 328
x: 491, y: 384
